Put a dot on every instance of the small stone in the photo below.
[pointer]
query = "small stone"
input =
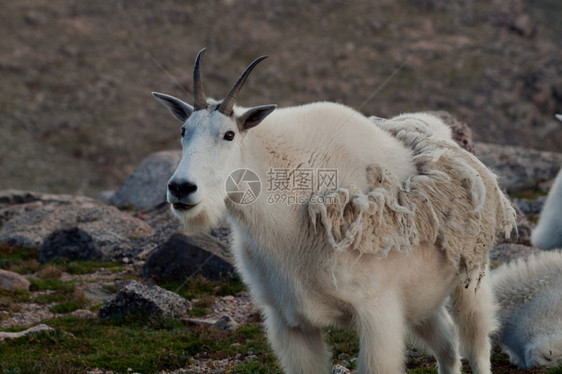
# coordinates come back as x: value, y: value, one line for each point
x: 524, y: 25
x: 13, y: 281
x: 339, y: 369
x: 83, y: 314
x: 225, y: 323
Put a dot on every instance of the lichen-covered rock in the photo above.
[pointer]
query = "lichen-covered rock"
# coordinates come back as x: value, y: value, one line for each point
x: 519, y: 168
x: 138, y: 298
x: 507, y: 252
x: 339, y: 369
x: 146, y: 186
x: 68, y: 226
x: 12, y: 281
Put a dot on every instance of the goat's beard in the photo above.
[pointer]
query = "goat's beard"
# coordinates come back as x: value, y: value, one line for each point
x: 203, y: 217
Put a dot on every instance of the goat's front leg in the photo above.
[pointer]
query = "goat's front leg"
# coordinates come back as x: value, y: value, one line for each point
x: 381, y: 329
x: 301, y: 350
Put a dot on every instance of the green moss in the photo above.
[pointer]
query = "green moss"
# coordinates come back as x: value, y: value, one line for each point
x: 88, y: 267
x: 18, y: 259
x: 557, y: 370
x: 343, y: 341
x: 196, y: 287
x: 49, y: 284
x: 18, y: 296
x: 69, y: 306
x: 423, y: 371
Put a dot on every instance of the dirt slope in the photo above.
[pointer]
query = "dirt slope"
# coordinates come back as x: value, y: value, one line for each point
x: 76, y: 115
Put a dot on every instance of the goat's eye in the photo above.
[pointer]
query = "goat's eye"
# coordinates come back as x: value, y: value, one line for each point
x: 182, y: 132
x: 229, y: 135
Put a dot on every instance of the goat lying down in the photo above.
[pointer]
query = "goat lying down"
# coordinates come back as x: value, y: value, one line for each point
x: 529, y: 293
x: 409, y: 225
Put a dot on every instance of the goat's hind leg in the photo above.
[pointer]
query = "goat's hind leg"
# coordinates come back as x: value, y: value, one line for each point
x: 381, y: 330
x: 300, y: 350
x: 439, y: 335
x: 474, y: 312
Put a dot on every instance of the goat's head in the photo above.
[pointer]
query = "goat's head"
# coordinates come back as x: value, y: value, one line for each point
x: 212, y: 137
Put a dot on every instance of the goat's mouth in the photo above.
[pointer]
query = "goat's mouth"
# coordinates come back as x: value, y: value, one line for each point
x: 183, y: 207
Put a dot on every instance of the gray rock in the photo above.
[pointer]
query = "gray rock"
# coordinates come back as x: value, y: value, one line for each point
x: 153, y: 300
x: 12, y: 281
x: 68, y: 226
x: 183, y: 256
x: 507, y: 252
x: 530, y: 206
x: 225, y: 323
x: 339, y: 369
x: 524, y: 26
x: 519, y: 168
x: 70, y: 243
x: 31, y: 330
x: 146, y: 186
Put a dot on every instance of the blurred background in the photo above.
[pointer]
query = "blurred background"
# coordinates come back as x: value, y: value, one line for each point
x: 76, y: 114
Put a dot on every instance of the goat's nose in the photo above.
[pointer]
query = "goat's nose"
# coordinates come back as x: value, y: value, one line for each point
x: 182, y: 188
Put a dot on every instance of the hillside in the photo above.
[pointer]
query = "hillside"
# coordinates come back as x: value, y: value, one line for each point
x: 76, y: 115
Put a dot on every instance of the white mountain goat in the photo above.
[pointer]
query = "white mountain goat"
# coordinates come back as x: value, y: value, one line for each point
x: 529, y: 294
x: 548, y: 233
x: 408, y: 224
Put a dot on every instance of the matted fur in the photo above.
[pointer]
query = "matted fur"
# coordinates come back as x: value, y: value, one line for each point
x: 529, y: 293
x: 453, y: 202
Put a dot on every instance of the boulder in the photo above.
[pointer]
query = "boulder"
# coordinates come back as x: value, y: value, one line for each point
x: 146, y: 186
x: 152, y: 300
x: 12, y: 281
x: 68, y: 226
x: 519, y: 168
x: 184, y: 255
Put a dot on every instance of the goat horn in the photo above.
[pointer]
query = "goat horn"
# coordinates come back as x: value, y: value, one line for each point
x: 230, y: 99
x: 200, y: 101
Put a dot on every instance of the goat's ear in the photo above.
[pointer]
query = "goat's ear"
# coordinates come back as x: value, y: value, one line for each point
x: 253, y: 116
x: 178, y: 108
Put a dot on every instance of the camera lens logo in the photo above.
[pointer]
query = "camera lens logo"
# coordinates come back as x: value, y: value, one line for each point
x: 243, y: 186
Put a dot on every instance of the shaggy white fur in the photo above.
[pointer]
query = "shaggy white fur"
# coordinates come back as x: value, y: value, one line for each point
x: 529, y: 293
x: 445, y: 203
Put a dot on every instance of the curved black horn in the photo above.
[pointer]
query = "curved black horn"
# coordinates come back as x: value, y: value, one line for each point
x: 200, y: 101
x: 230, y: 99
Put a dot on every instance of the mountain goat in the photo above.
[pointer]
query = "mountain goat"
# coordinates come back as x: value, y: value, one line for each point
x: 548, y: 233
x: 529, y: 294
x: 405, y: 221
